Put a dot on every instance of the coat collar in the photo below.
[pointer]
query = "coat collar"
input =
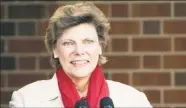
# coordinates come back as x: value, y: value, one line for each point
x: 52, y: 92
x: 55, y: 96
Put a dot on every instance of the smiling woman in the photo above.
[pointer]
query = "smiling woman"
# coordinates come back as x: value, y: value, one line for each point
x: 75, y: 39
x: 78, y: 50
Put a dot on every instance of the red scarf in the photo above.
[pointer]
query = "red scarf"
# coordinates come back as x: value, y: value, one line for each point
x: 97, y: 88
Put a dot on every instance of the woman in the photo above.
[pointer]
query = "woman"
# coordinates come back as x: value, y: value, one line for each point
x: 75, y: 38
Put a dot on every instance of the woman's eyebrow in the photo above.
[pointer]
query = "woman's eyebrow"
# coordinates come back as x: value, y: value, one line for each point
x: 67, y: 40
x: 89, y: 39
x: 81, y: 39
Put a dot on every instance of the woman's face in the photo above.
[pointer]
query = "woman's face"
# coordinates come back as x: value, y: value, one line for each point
x: 78, y: 50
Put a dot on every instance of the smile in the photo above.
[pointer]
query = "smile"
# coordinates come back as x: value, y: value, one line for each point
x: 79, y: 63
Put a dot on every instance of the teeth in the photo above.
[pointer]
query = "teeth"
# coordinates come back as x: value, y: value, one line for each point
x: 79, y: 62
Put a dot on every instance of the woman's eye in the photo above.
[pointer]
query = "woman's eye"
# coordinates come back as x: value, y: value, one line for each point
x: 89, y: 41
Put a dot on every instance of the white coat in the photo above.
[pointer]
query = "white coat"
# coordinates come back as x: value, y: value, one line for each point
x: 45, y: 93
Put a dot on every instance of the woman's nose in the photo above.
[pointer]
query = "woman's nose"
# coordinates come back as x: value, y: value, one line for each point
x: 80, y: 49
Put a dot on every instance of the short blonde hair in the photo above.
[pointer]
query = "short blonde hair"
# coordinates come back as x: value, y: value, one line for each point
x: 70, y: 15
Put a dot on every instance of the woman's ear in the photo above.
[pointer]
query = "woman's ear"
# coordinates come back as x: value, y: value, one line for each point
x: 55, y: 53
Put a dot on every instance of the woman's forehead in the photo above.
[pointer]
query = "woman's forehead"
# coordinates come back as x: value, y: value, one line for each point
x: 81, y: 31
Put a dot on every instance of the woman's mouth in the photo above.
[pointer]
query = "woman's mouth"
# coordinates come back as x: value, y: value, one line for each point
x: 79, y: 63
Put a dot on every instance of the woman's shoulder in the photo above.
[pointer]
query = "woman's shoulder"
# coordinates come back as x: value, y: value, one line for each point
x: 40, y: 86
x: 34, y: 93
x: 126, y: 95
x: 39, y: 90
x: 34, y: 86
x: 34, y: 90
x: 118, y: 86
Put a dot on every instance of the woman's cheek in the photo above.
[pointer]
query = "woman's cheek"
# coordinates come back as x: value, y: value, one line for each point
x: 67, y: 51
x: 92, y: 49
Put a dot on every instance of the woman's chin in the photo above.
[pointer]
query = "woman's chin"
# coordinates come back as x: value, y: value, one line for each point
x: 81, y: 74
x: 81, y: 71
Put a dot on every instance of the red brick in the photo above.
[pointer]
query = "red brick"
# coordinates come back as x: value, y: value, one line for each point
x: 180, y: 44
x: 8, y: 63
x: 153, y: 96
x: 151, y: 10
x: 125, y: 27
x: 152, y: 79
x: 175, y: 96
x: 41, y: 28
x: 122, y: 62
x: 27, y: 28
x: 27, y: 62
x: 151, y: 27
x: 2, y: 16
x: 119, y: 44
x: 27, y: 11
x: 175, y: 61
x: 104, y: 8
x: 44, y: 63
x: 174, y: 27
x: 119, y: 10
x: 180, y: 78
x: 151, y: 44
x: 121, y: 77
x: 26, y: 46
x: 8, y: 28
x: 20, y: 80
x: 5, y: 96
x: 179, y: 9
x: 151, y: 61
x: 3, y: 80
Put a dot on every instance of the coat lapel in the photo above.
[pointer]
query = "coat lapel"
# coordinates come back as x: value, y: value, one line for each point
x: 53, y: 97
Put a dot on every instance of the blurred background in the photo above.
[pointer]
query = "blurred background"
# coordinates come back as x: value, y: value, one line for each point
x: 147, y: 47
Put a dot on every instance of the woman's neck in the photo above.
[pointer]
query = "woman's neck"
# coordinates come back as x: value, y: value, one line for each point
x: 81, y: 84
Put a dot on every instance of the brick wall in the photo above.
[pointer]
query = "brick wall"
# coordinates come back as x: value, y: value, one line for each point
x: 147, y: 47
